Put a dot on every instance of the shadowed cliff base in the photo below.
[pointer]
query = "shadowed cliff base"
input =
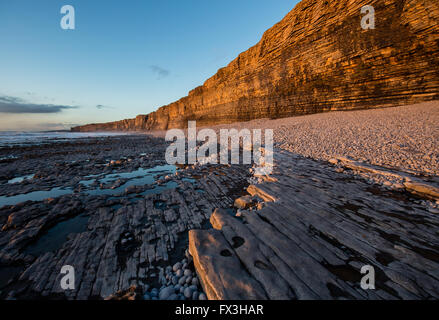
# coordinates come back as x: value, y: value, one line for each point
x: 317, y: 59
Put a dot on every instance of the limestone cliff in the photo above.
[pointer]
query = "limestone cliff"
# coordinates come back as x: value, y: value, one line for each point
x: 317, y: 59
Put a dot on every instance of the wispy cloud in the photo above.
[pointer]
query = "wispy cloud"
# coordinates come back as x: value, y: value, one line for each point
x: 58, y: 126
x: 100, y: 107
x: 18, y: 105
x: 159, y: 71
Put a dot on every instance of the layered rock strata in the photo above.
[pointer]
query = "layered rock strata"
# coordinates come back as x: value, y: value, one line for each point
x: 118, y: 231
x: 317, y: 59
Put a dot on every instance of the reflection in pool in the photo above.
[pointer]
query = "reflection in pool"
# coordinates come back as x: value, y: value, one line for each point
x: 21, y: 179
x: 139, y: 177
x: 54, y: 238
x: 34, y: 196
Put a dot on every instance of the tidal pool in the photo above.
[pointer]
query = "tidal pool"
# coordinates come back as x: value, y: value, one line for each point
x: 55, y: 237
x: 34, y: 196
x: 138, y: 177
x: 21, y: 179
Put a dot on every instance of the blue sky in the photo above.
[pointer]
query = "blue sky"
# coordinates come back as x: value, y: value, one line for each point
x: 124, y: 57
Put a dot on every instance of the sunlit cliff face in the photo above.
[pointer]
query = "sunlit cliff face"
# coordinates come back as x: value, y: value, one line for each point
x: 116, y: 61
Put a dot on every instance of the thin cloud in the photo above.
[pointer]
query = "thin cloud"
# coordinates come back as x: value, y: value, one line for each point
x: 100, y: 107
x: 58, y: 126
x: 17, y: 105
x: 159, y: 71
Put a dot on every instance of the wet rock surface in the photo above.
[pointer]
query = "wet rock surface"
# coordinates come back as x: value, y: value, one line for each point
x: 135, y: 228
x: 120, y: 231
x: 317, y: 228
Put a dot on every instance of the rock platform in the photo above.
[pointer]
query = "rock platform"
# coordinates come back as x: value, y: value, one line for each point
x: 318, y: 225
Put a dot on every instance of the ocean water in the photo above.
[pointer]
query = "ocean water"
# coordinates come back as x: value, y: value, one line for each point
x: 24, y: 138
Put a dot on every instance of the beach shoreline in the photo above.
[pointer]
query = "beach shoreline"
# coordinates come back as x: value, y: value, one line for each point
x: 109, y: 206
x: 113, y: 208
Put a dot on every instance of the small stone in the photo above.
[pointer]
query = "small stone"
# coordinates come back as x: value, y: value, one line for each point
x: 179, y: 273
x: 195, y: 281
x: 195, y: 295
x: 174, y: 280
x: 182, y: 280
x: 193, y: 287
x: 187, y: 272
x: 202, y: 296
x: 166, y: 292
x: 244, y: 202
x: 176, y: 266
x: 173, y: 297
x: 188, y: 293
x: 188, y: 280
x: 433, y: 210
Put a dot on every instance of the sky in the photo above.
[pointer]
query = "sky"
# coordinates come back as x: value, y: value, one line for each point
x: 123, y: 58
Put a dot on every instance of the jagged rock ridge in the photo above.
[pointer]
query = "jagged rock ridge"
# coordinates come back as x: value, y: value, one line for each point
x: 317, y: 59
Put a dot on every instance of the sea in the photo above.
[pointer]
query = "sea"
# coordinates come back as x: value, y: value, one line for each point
x: 27, y: 138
